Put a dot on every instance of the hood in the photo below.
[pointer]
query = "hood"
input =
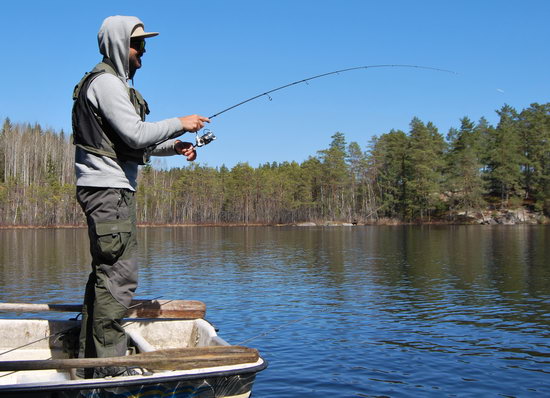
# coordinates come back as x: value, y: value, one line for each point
x: 114, y: 41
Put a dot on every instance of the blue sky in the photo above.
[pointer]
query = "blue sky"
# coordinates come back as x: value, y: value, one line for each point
x: 213, y: 54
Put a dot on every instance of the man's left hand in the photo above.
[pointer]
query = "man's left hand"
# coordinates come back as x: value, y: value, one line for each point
x: 186, y: 149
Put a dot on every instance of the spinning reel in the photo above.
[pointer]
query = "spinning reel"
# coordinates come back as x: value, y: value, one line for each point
x: 204, y: 139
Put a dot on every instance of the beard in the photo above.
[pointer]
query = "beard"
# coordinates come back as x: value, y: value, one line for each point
x: 135, y: 64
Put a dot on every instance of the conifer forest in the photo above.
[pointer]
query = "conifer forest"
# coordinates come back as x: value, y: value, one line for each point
x: 419, y: 175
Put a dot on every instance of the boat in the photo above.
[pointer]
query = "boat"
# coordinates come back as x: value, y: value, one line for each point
x: 173, y: 351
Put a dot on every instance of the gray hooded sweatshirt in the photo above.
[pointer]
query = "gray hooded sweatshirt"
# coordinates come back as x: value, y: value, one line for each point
x: 109, y: 94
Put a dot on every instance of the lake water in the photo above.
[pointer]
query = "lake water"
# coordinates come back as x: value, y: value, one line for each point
x: 442, y: 311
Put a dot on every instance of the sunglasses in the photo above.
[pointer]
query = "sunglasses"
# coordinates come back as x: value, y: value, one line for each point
x: 138, y: 45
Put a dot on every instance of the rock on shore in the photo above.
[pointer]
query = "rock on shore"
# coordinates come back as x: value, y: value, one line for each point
x: 503, y: 217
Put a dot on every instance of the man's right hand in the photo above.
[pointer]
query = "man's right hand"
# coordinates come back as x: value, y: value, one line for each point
x: 193, y: 123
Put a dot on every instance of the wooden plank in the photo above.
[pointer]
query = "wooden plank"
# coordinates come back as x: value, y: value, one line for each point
x: 188, y: 309
x: 183, y: 309
x: 169, y: 359
x: 23, y: 307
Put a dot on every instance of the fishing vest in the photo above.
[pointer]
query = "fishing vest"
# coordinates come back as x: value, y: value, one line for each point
x: 95, y: 135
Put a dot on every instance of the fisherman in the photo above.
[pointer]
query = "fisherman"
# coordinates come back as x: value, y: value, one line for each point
x: 112, y: 139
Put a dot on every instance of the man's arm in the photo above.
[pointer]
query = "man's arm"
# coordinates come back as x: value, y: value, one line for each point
x: 109, y: 94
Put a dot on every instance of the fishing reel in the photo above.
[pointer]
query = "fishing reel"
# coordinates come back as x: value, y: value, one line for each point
x: 204, y: 139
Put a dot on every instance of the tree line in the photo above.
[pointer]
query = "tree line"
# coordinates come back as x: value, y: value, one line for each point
x: 418, y: 175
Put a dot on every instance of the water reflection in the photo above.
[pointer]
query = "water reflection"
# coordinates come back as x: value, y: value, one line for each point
x: 353, y: 311
x: 39, y: 264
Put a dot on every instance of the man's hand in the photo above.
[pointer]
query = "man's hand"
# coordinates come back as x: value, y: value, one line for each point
x: 186, y: 149
x: 193, y: 123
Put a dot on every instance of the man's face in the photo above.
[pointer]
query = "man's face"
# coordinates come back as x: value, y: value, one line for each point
x: 137, y: 49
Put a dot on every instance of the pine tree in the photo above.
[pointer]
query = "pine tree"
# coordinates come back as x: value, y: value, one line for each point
x: 312, y: 189
x: 388, y: 164
x: 359, y: 189
x: 534, y: 134
x: 335, y: 176
x: 505, y: 157
x: 426, y: 147
x: 464, y: 182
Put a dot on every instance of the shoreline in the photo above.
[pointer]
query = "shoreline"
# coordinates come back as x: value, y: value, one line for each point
x: 518, y: 216
x: 304, y: 224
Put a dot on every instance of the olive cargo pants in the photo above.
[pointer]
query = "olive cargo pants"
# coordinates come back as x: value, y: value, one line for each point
x: 111, y: 217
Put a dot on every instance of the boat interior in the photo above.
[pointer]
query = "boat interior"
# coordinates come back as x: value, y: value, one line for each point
x: 41, y: 339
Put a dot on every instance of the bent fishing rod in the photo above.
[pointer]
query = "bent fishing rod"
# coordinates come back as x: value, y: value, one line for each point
x: 208, y: 137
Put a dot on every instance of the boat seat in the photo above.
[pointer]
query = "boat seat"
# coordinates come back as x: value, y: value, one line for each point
x: 138, y: 340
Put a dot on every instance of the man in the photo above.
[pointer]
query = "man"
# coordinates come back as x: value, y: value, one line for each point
x: 112, y: 139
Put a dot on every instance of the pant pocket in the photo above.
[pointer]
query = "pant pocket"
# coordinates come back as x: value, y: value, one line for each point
x: 112, y: 238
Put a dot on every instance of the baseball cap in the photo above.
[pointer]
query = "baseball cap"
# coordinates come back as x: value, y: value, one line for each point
x: 138, y: 32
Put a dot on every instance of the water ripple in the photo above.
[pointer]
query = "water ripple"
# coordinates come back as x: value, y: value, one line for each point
x: 354, y: 312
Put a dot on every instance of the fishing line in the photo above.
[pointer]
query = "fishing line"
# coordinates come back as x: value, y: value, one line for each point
x: 208, y: 137
x: 286, y: 324
x: 269, y: 331
x: 328, y: 74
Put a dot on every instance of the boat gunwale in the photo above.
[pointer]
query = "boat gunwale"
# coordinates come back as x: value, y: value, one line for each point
x: 173, y: 376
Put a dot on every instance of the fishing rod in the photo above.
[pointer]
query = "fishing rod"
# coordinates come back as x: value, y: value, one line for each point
x: 208, y: 137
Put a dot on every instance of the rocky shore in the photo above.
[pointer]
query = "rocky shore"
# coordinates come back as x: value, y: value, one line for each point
x: 503, y: 217
x: 485, y: 217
